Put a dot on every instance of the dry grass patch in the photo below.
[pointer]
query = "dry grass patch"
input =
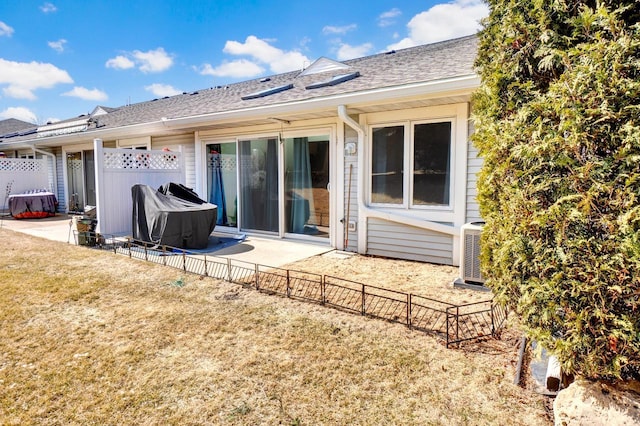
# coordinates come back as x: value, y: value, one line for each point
x: 94, y: 338
x: 433, y: 281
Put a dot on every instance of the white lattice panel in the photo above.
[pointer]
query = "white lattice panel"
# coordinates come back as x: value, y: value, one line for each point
x: 18, y: 175
x: 21, y: 165
x: 227, y: 163
x: 119, y: 159
x: 74, y: 165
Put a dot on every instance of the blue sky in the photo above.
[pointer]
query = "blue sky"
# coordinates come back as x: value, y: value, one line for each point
x: 61, y: 58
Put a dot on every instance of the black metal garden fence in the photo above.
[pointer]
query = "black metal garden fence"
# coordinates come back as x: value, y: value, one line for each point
x: 453, y: 323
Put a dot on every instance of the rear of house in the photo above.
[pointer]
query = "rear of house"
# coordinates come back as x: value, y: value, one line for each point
x: 370, y: 155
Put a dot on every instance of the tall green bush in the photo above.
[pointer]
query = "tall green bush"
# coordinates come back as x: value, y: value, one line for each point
x: 558, y: 124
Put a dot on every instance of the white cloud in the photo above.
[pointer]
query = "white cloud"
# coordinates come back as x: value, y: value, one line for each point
x: 330, y: 29
x: 346, y: 51
x: 241, y: 68
x: 58, y: 46
x: 5, y: 30
x: 388, y: 18
x: 19, y: 113
x: 150, y: 61
x: 22, y: 78
x: 87, y: 94
x: 162, y: 90
x: 120, y: 63
x: 444, y: 21
x: 259, y: 50
x: 48, y: 8
x: 305, y: 42
x: 153, y: 60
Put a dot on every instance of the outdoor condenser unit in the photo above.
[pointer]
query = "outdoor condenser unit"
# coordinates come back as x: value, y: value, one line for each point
x: 470, y: 256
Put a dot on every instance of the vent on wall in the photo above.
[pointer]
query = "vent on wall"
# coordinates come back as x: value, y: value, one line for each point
x: 470, y: 275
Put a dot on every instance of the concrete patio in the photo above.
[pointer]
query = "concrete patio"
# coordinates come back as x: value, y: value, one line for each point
x: 255, y: 249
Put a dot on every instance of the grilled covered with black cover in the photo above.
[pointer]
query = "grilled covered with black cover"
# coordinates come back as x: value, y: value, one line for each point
x: 170, y: 219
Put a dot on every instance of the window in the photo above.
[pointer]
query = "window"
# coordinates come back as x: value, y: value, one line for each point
x: 387, y: 165
x: 411, y: 164
x: 431, y: 163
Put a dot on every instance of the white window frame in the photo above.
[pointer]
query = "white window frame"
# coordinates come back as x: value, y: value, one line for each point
x: 457, y: 114
x: 408, y: 164
x: 405, y: 159
x: 452, y: 145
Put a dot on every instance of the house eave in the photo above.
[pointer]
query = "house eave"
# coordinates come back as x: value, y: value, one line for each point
x: 440, y: 88
x: 456, y: 86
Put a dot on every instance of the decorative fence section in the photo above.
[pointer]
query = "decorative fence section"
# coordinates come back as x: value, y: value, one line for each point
x: 306, y: 286
x: 454, y: 323
x: 343, y: 294
x: 387, y: 304
x: 473, y: 320
x: 429, y: 315
x: 289, y: 283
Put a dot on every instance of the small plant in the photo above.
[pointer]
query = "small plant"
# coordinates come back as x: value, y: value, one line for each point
x: 243, y: 409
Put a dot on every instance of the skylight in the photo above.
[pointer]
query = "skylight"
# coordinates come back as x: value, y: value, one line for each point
x: 335, y: 80
x: 324, y: 65
x: 267, y: 92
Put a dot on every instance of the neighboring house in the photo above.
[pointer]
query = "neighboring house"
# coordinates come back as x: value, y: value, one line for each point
x: 12, y: 127
x: 369, y: 155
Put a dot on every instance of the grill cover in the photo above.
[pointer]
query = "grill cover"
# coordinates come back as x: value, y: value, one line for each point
x: 168, y: 219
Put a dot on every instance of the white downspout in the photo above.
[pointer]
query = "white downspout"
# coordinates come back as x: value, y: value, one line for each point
x: 55, y: 166
x: 362, y: 217
x: 364, y: 212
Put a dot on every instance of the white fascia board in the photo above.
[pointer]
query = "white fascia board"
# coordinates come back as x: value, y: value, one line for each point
x: 446, y: 87
x: 134, y: 130
x: 457, y: 85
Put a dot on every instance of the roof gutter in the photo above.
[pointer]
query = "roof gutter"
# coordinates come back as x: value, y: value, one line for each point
x: 450, y: 86
x: 364, y: 211
x: 88, y: 136
x: 455, y: 85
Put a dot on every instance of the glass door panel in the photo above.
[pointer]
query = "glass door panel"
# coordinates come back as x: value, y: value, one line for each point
x: 306, y: 185
x: 259, y: 184
x: 222, y: 181
x: 75, y: 182
x: 89, y: 177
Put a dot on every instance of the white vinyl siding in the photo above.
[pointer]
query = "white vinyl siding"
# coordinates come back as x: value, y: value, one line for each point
x: 184, y: 143
x: 399, y: 241
x: 474, y: 163
x: 351, y: 200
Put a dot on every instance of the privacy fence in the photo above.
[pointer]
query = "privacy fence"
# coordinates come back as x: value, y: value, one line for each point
x: 18, y: 175
x: 117, y: 170
x: 453, y: 323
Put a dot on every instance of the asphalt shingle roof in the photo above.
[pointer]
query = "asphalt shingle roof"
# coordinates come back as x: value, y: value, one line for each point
x: 417, y: 64
x: 12, y: 125
x: 432, y: 62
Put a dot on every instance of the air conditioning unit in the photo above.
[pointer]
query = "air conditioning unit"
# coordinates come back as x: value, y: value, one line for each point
x: 470, y: 254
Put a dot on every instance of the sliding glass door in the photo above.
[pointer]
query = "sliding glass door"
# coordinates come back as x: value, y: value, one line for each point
x: 306, y: 206
x: 222, y: 182
x: 272, y: 185
x: 259, y: 184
